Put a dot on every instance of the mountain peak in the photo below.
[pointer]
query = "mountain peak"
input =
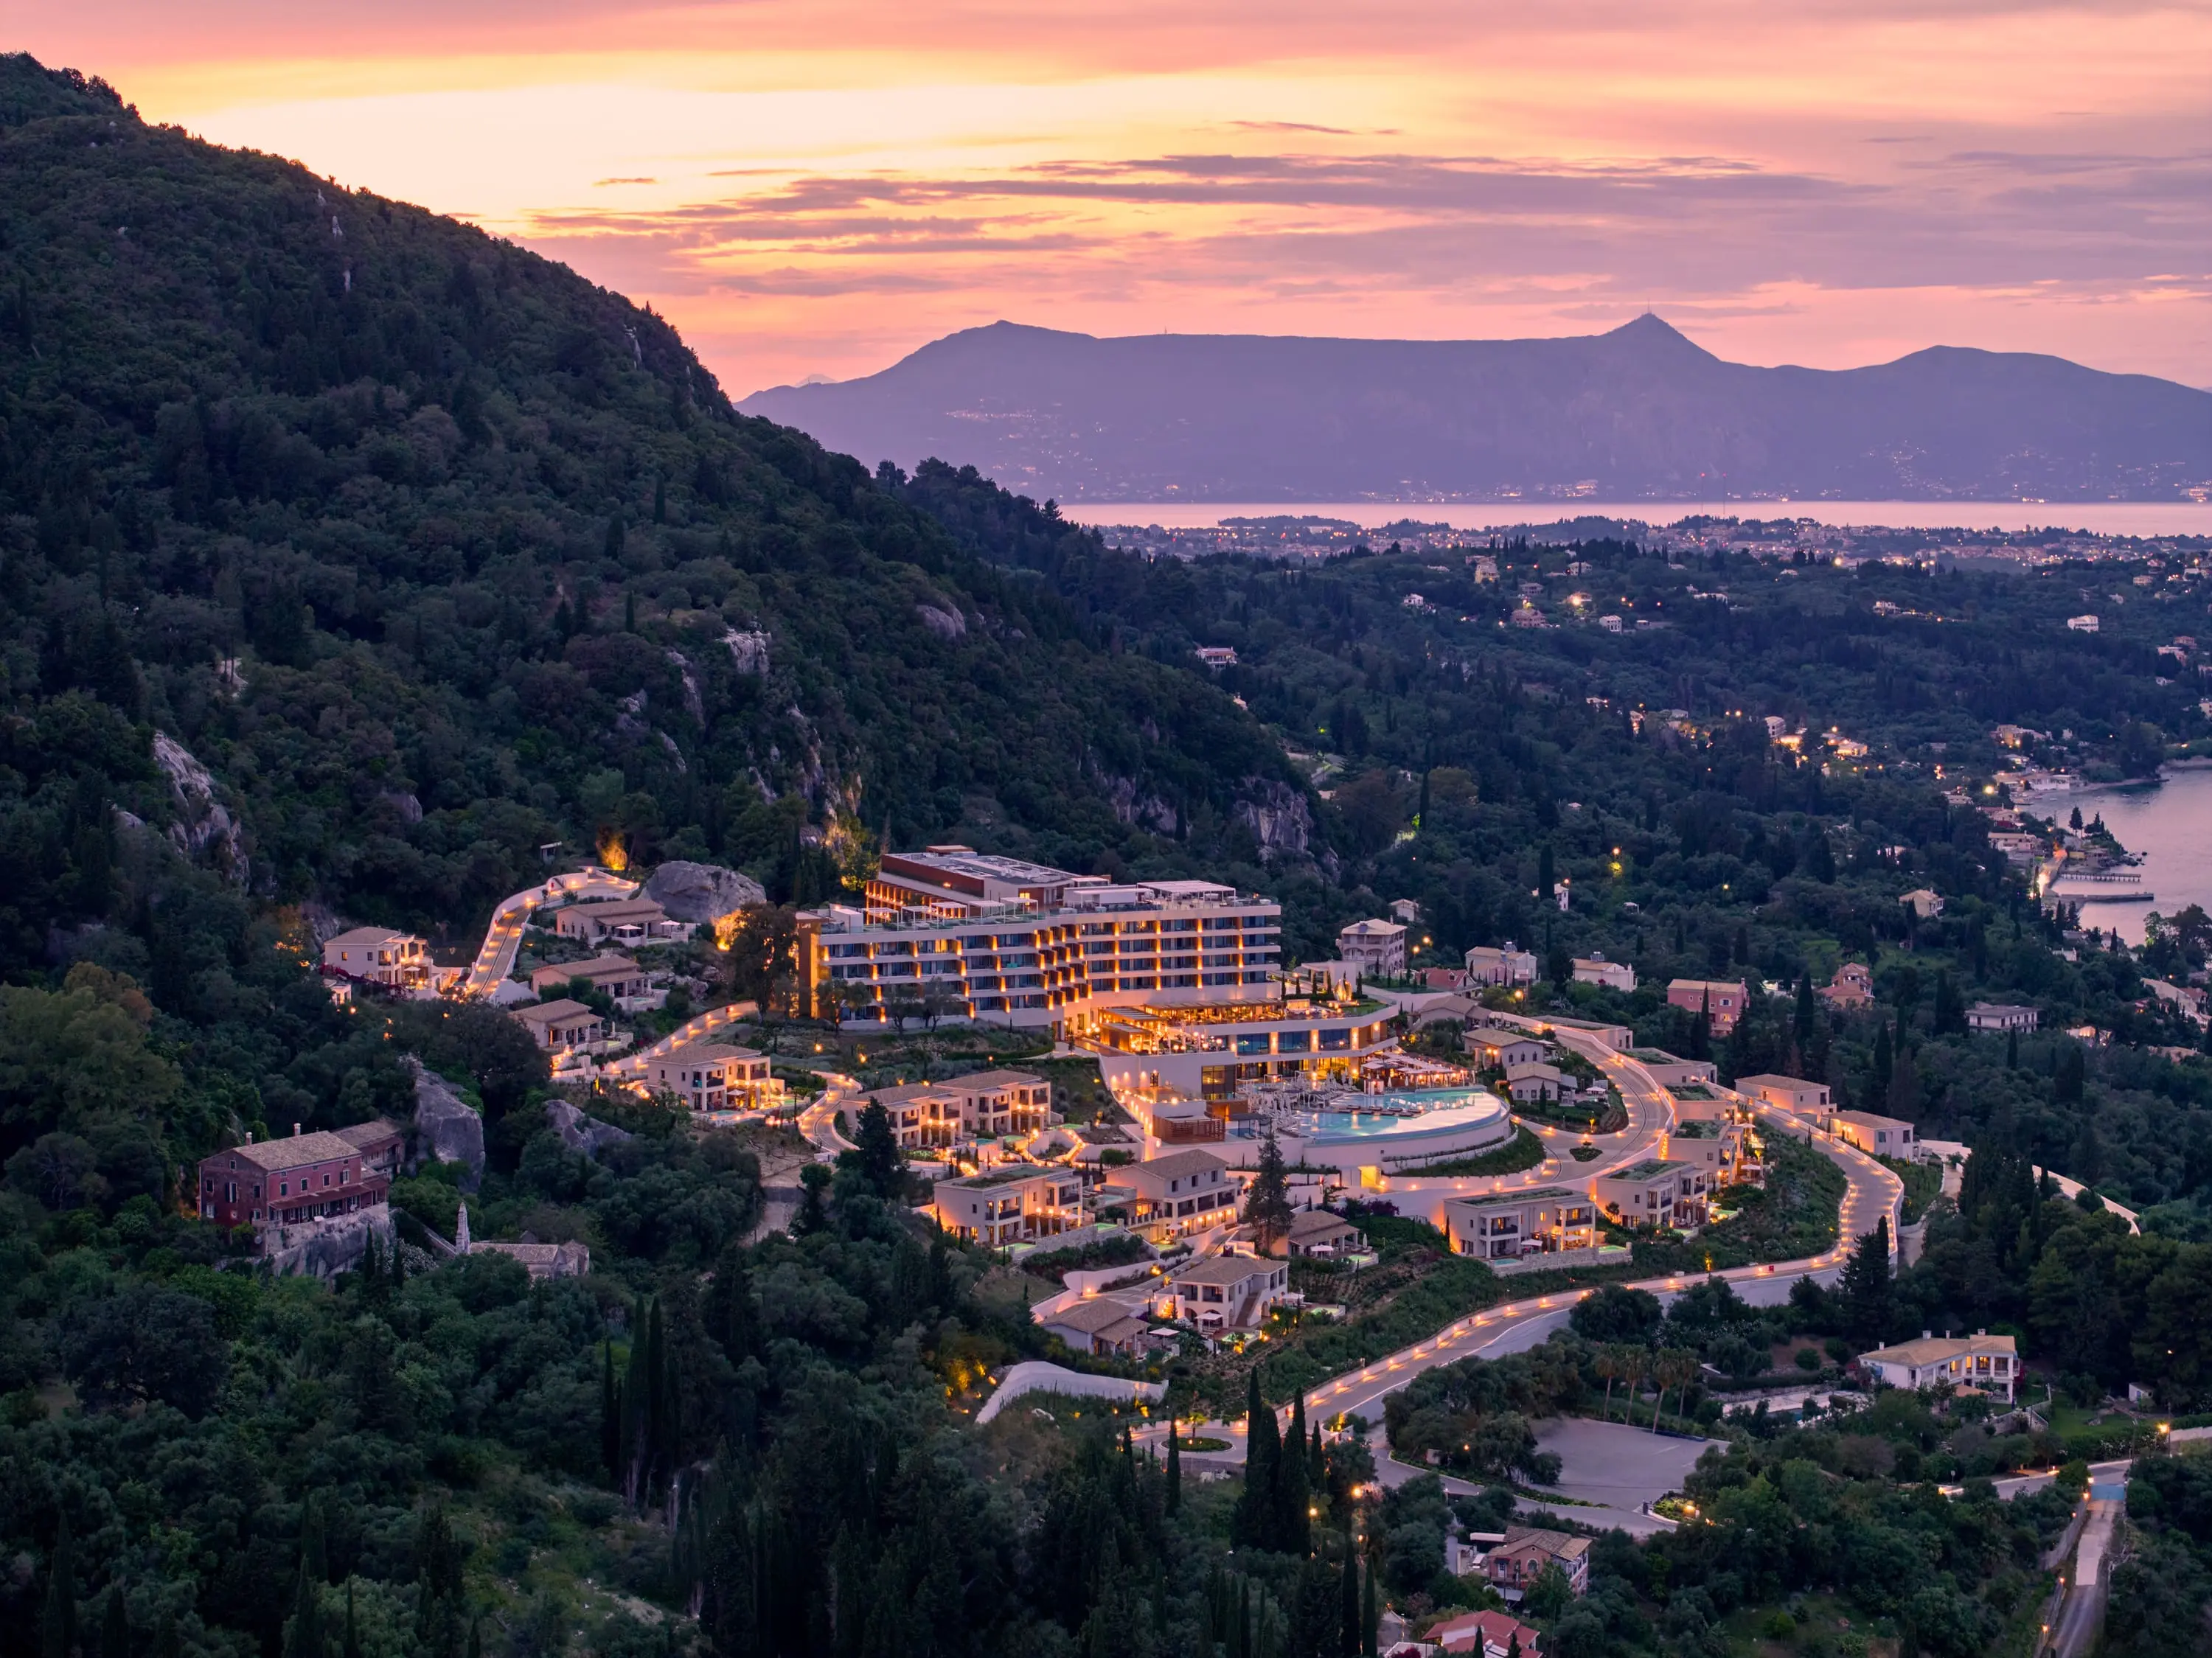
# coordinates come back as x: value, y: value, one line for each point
x: 1652, y: 333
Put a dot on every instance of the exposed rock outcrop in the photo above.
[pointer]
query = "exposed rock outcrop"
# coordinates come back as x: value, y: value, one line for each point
x: 946, y: 622
x: 748, y: 649
x: 325, y: 1248
x: 445, y: 1125
x: 580, y: 1133
x: 204, y: 827
x: 701, y: 892
x: 1278, y: 816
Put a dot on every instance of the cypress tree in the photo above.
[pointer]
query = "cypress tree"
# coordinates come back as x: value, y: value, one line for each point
x: 661, y: 1430
x: 115, y: 1627
x: 313, y: 1556
x: 352, y: 1648
x: 304, y: 1636
x: 610, y: 1412
x: 1255, y: 1510
x: 636, y: 1389
x: 166, y: 1644
x: 2012, y: 1050
x: 58, y: 1621
x: 1348, y: 1643
x: 1370, y: 1617
x: 1175, y: 1469
x: 1866, y: 1285
x: 1802, y: 1026
x: 1294, y: 1524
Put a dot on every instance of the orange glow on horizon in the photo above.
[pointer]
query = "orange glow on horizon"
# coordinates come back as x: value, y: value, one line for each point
x: 823, y: 188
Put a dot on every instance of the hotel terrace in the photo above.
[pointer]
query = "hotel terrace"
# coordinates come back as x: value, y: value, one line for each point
x: 1003, y: 941
x: 1217, y: 1053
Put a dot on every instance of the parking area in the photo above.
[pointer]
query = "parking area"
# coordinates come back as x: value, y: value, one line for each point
x: 1618, y: 1465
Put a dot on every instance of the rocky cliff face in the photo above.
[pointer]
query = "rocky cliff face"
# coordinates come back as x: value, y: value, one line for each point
x: 1278, y: 816
x: 445, y: 1125
x: 204, y: 829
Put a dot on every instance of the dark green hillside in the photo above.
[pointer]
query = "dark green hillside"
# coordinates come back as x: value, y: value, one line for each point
x: 494, y: 560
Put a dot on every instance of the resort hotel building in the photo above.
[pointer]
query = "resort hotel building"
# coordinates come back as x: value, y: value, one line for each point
x: 967, y: 935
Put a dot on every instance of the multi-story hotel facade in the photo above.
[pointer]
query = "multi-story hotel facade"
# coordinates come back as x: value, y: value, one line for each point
x: 974, y: 936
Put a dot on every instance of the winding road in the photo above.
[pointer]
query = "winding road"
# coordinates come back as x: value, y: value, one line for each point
x: 503, y: 936
x: 1871, y: 1193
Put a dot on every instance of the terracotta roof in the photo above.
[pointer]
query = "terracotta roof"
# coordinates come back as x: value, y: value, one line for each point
x: 363, y: 1135
x: 1088, y: 1317
x: 598, y: 967
x: 547, y: 1012
x: 1559, y: 1545
x: 367, y: 935
x: 1223, y: 1269
x: 273, y: 1155
x: 704, y: 1054
x: 1936, y: 1350
x: 1176, y: 1165
x: 985, y: 1081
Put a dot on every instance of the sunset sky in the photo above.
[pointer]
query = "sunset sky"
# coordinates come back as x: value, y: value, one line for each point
x: 818, y: 188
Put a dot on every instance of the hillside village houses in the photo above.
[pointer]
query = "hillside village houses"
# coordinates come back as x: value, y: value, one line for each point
x: 1596, y: 970
x: 1014, y: 1202
x: 618, y: 920
x: 1656, y: 1193
x: 282, y: 1182
x: 629, y: 985
x: 1475, y: 1635
x: 2000, y: 1017
x: 1377, y: 948
x: 1515, y: 1564
x: 1505, y: 967
x: 1495, y: 1049
x: 1725, y: 999
x: 1878, y: 1136
x: 566, y: 1029
x: 1925, y: 904
x: 1166, y: 1197
x: 1508, y: 1225
x: 1723, y: 1149
x: 1988, y: 1363
x: 1852, y: 987
x: 715, y: 1077
x: 377, y: 956
x: 1671, y: 1070
x: 983, y: 1105
x: 1227, y: 1291
x: 1537, y: 1083
x: 1791, y: 1093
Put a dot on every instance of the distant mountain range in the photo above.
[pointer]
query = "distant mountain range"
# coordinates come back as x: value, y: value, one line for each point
x: 1637, y: 413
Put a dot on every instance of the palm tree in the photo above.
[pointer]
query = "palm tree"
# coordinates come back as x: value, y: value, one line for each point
x: 1635, y: 1364
x: 1674, y: 1367
x: 1607, y: 1363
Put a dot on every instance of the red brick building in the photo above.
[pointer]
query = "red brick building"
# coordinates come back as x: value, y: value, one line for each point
x: 278, y: 1182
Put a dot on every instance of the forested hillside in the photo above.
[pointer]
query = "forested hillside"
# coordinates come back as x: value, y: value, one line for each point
x: 432, y: 552
x: 348, y: 556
